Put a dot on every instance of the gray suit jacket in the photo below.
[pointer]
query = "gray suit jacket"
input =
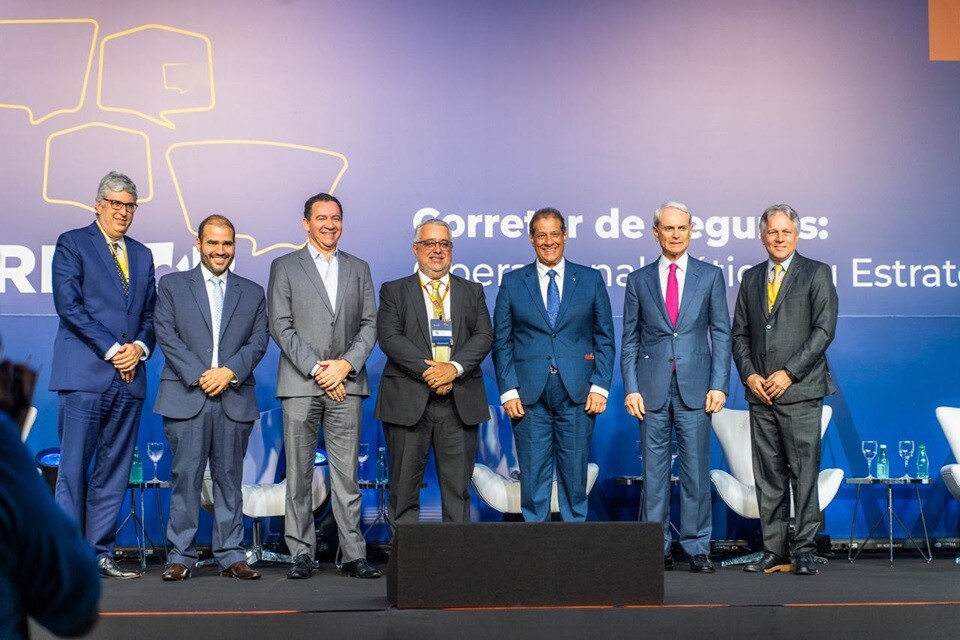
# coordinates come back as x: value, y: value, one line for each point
x: 307, y: 328
x: 183, y: 326
x: 794, y: 336
x: 404, y: 332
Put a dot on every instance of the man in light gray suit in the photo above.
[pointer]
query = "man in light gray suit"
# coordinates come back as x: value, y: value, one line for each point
x: 324, y: 318
x: 212, y: 328
x: 676, y: 372
x: 785, y: 319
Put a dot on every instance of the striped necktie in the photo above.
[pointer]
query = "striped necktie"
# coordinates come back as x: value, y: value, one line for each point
x: 773, y: 286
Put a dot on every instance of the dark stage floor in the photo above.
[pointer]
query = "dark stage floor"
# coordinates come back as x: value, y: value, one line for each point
x: 868, y: 599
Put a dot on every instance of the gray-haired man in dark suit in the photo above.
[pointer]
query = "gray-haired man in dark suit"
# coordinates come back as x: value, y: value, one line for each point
x: 785, y: 319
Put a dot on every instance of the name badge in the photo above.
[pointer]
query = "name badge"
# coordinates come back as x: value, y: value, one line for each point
x: 441, y: 332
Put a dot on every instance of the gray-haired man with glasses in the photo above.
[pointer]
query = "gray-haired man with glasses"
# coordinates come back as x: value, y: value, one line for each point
x: 435, y: 330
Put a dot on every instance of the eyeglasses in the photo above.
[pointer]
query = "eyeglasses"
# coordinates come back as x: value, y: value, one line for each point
x: 116, y: 204
x: 430, y: 245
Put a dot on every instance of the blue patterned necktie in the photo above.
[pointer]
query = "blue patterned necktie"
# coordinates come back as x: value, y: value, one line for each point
x: 553, y: 298
x: 217, y: 303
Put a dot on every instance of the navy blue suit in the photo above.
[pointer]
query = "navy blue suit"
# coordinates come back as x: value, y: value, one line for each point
x: 673, y: 368
x: 99, y: 413
x: 580, y: 350
x: 198, y: 427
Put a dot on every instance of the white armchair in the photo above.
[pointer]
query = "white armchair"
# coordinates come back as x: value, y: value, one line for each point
x: 949, y: 418
x: 503, y: 494
x: 737, y: 488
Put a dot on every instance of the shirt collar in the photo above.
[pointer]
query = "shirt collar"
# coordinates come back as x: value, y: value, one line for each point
x: 315, y: 254
x: 424, y: 279
x: 542, y: 269
x: 681, y: 262
x: 107, y: 238
x: 207, y: 274
x: 785, y: 264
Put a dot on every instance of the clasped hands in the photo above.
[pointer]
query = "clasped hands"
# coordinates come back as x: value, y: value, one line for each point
x: 439, y: 376
x: 330, y: 376
x: 215, y: 381
x: 770, y: 388
x: 126, y: 359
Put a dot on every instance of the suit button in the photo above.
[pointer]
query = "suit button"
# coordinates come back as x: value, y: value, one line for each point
x: 769, y: 327
x: 331, y: 324
x: 129, y: 313
x: 676, y: 335
x: 553, y: 335
x: 123, y: 335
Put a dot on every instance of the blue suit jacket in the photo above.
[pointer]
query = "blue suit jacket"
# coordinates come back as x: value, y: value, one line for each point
x: 94, y: 312
x: 185, y: 335
x: 699, y: 344
x: 581, y: 345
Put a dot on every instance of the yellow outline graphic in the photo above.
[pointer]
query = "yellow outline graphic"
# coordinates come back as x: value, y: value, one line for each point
x: 57, y: 134
x: 163, y: 120
x: 166, y: 83
x: 263, y: 143
x: 86, y: 75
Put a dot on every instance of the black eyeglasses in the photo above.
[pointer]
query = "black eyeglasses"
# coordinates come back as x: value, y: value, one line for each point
x: 116, y: 204
x: 430, y: 245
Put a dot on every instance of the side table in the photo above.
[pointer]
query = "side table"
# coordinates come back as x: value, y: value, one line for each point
x: 890, y: 515
x: 138, y: 489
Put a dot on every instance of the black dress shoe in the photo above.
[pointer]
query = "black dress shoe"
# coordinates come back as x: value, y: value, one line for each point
x: 805, y: 564
x: 769, y: 563
x: 668, y: 563
x: 176, y: 572
x: 110, y: 569
x: 700, y: 563
x: 359, y: 568
x: 302, y: 567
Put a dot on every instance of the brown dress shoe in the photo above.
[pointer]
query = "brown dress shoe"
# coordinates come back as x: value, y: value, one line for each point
x: 241, y: 571
x: 176, y: 572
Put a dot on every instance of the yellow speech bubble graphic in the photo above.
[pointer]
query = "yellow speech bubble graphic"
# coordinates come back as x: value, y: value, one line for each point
x: 259, y: 184
x: 155, y: 71
x: 50, y: 79
x: 77, y: 158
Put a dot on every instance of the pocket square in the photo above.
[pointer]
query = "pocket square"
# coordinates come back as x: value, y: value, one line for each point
x: 589, y: 356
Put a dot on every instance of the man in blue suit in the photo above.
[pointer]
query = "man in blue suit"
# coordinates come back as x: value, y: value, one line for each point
x: 104, y: 293
x: 212, y: 328
x: 675, y: 362
x: 553, y: 351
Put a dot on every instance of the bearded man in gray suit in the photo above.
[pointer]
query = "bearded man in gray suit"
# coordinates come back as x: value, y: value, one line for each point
x: 786, y: 317
x: 323, y: 316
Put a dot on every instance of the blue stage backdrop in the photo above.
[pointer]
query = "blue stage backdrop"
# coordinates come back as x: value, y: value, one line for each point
x: 480, y: 112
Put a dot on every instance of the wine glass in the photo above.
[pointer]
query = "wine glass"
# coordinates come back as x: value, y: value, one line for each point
x: 640, y: 456
x: 155, y: 452
x: 674, y: 454
x: 363, y: 456
x: 906, y: 452
x: 869, y: 448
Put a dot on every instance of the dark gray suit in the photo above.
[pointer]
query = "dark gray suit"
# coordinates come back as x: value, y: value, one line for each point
x: 199, y: 428
x: 794, y: 336
x: 412, y: 415
x: 308, y: 328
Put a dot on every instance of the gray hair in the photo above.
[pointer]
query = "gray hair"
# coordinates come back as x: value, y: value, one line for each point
x: 671, y: 204
x: 431, y: 221
x: 785, y: 209
x: 116, y: 182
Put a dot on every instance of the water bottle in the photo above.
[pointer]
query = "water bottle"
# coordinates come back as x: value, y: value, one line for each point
x: 383, y: 470
x: 136, y: 469
x: 923, y: 463
x: 883, y: 463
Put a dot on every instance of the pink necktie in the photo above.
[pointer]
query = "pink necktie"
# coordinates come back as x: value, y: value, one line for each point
x: 673, y: 294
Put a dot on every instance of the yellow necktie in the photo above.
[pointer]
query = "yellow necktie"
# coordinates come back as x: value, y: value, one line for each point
x: 441, y: 353
x: 773, y: 286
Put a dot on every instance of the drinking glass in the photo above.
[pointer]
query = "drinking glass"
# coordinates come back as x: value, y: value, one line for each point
x: 869, y: 448
x: 906, y: 452
x: 674, y: 454
x: 155, y: 452
x: 362, y: 456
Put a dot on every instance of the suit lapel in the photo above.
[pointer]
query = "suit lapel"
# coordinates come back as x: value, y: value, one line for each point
x: 656, y: 292
x: 796, y: 268
x: 230, y: 301
x: 310, y: 269
x: 456, y: 310
x: 344, y: 269
x: 532, y: 279
x: 102, y: 250
x: 571, y: 280
x: 691, y: 288
x: 199, y: 289
x: 414, y: 293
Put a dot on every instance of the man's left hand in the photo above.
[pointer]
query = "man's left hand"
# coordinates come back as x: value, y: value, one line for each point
x: 213, y: 382
x: 596, y: 404
x: 439, y: 374
x: 332, y: 373
x: 777, y: 384
x: 126, y: 359
x: 715, y: 401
